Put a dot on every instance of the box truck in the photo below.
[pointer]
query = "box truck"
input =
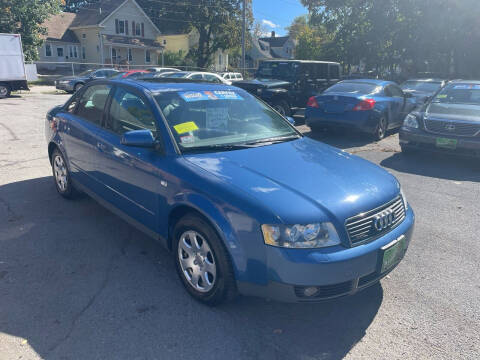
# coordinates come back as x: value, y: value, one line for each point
x: 12, y: 65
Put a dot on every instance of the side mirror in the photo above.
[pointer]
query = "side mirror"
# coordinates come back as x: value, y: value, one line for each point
x: 138, y: 138
x: 291, y: 120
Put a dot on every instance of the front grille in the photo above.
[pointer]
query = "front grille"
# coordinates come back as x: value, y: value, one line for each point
x: 444, y: 127
x: 361, y: 228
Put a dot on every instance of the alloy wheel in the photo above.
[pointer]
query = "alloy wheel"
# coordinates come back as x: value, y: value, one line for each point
x: 3, y: 91
x: 197, y: 261
x: 60, y: 171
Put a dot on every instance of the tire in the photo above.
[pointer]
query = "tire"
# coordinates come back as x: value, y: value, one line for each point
x: 203, y: 265
x: 381, y: 129
x: 282, y: 108
x: 5, y: 91
x: 61, y: 176
x: 77, y: 87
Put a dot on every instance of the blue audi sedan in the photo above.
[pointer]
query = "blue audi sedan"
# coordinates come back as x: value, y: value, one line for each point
x: 244, y: 202
x: 370, y: 106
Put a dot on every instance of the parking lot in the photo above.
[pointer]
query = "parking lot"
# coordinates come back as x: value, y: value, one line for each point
x: 77, y: 282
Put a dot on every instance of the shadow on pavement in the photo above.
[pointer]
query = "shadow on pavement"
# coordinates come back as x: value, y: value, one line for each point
x: 435, y: 165
x: 79, y: 283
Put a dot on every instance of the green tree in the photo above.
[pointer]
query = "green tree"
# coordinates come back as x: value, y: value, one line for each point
x: 217, y: 23
x: 25, y: 17
x: 297, y: 26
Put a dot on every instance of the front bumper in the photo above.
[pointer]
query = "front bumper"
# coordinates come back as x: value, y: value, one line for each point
x: 64, y: 86
x: 419, y: 139
x: 335, y: 273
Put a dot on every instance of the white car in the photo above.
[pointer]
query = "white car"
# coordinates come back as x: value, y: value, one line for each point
x: 162, y: 69
x: 203, y: 76
x: 231, y: 76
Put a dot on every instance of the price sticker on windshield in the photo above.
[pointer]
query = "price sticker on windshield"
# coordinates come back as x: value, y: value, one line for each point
x: 185, y: 127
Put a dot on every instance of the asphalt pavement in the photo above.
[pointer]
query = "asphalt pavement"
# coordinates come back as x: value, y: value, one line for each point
x: 77, y: 282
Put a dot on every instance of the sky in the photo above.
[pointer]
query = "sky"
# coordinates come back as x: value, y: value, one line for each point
x: 277, y: 14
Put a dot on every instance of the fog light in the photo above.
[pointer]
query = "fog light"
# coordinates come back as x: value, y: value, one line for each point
x: 310, y: 291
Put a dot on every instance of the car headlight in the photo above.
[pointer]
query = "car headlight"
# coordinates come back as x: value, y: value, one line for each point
x: 404, y: 199
x: 310, y: 236
x: 411, y: 121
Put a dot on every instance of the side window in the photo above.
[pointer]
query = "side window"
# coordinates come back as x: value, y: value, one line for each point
x: 73, y: 103
x: 197, y: 77
x: 334, y: 71
x: 396, y: 91
x: 128, y: 112
x: 92, y: 103
x: 213, y: 79
x: 322, y: 71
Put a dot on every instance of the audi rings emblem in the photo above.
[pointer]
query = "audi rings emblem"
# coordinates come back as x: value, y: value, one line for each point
x: 384, y: 220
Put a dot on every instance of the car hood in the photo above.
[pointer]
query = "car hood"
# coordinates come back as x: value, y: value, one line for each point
x: 453, y: 112
x: 303, y: 180
x: 263, y: 83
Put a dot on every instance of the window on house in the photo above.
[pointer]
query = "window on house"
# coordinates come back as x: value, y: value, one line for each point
x: 60, y: 52
x: 130, y: 57
x: 219, y: 59
x: 121, y: 27
x: 114, y: 53
x: 48, y: 50
x: 147, y: 56
x: 84, y: 36
x: 164, y: 42
x: 138, y: 29
x: 84, y: 55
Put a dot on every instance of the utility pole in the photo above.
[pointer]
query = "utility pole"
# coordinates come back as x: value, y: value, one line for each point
x: 244, y: 25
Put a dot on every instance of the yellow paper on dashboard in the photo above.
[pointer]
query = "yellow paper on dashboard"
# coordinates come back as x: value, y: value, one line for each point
x: 185, y: 127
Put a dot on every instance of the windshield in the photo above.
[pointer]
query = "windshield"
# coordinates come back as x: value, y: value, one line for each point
x: 277, y: 70
x: 422, y: 86
x: 459, y: 94
x: 201, y: 120
x: 357, y: 88
x: 86, y: 73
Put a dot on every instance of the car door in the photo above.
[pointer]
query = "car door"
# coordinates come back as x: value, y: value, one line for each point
x: 79, y: 132
x: 397, y: 104
x: 131, y: 176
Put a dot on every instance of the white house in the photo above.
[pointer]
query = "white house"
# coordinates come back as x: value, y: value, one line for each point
x: 107, y: 32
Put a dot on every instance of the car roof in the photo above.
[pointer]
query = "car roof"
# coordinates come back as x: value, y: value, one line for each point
x: 302, y: 61
x: 427, y: 80
x: 459, y: 81
x: 160, y: 86
x: 369, y: 81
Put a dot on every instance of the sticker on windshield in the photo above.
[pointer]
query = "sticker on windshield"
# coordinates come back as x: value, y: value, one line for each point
x: 191, y: 96
x: 185, y: 127
x: 187, y: 139
x: 467, y: 87
x: 217, y: 118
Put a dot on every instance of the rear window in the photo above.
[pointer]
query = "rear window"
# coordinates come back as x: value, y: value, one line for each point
x: 459, y: 94
x: 421, y: 86
x: 354, y: 88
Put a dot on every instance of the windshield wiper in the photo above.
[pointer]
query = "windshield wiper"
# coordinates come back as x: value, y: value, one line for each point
x: 217, y: 147
x: 274, y: 140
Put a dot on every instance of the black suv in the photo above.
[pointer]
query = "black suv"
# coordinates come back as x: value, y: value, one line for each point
x: 287, y: 84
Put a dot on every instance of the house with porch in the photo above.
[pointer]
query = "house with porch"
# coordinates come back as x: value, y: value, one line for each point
x: 108, y: 32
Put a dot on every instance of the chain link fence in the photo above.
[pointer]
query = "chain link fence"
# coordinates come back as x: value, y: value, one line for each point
x: 49, y: 71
